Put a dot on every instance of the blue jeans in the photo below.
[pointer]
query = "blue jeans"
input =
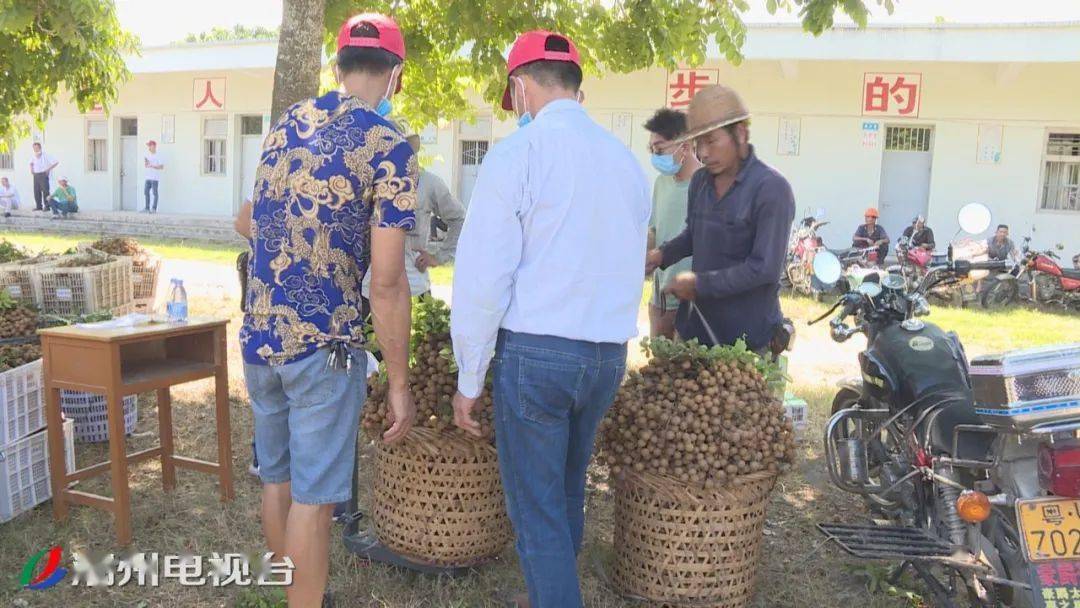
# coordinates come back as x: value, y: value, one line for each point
x: 63, y: 208
x: 550, y: 395
x: 151, y: 184
x: 306, y: 417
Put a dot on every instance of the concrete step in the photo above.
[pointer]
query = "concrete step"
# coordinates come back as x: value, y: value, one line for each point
x: 126, y: 223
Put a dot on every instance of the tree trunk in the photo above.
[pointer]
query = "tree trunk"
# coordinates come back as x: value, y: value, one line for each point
x: 299, y: 57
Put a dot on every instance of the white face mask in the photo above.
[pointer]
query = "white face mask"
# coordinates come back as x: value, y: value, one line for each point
x: 526, y: 116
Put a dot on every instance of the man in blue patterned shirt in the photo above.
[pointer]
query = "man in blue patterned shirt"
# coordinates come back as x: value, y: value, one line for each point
x: 335, y: 191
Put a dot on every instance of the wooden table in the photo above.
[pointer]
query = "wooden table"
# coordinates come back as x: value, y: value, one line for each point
x: 117, y: 362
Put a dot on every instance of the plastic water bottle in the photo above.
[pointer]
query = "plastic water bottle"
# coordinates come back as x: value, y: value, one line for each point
x: 177, y: 304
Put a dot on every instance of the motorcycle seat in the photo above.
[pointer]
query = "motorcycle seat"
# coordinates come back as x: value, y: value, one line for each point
x: 969, y: 445
x: 1071, y: 273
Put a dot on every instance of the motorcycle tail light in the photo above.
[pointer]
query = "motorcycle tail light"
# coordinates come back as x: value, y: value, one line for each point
x: 973, y: 507
x: 1059, y: 468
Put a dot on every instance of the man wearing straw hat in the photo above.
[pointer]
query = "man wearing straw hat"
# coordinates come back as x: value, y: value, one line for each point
x: 738, y: 221
x: 548, y: 278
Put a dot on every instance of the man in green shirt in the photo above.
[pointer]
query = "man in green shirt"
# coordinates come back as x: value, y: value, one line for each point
x: 63, y: 200
x: 676, y: 164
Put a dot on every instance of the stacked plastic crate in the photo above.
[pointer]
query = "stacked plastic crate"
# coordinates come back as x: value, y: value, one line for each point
x: 24, y: 454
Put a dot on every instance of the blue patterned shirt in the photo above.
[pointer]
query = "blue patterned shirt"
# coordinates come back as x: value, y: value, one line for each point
x: 331, y: 168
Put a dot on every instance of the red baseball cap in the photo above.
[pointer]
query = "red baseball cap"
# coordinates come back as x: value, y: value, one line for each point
x: 389, y: 36
x: 530, y: 47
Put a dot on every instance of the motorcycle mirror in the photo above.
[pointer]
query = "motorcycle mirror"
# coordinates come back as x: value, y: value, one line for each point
x: 869, y: 289
x: 827, y: 268
x: 974, y: 218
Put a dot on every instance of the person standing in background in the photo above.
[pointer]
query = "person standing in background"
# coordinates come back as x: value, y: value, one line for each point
x: 41, y: 166
x: 9, y: 197
x: 676, y: 164
x: 433, y: 200
x: 153, y: 166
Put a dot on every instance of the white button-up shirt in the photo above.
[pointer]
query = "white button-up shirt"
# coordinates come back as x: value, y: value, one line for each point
x: 41, y: 164
x: 554, y: 240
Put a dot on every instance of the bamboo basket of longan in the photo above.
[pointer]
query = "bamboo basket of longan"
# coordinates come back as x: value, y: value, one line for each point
x: 695, y: 442
x: 437, y: 496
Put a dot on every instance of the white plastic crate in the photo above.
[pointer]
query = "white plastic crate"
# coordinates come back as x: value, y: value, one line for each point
x: 90, y: 414
x: 24, y: 471
x: 22, y: 402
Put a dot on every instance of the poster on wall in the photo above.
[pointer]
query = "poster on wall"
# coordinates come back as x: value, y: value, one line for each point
x: 168, y: 129
x: 871, y: 134
x: 788, y: 136
x: 892, y: 94
x: 682, y: 85
x: 208, y: 94
x: 989, y: 146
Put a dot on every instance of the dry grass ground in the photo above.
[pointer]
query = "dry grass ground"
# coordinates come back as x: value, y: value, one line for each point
x: 798, y: 569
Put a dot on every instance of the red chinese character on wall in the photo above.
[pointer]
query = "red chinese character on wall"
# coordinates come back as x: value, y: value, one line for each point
x: 892, y: 94
x: 208, y: 94
x: 682, y: 85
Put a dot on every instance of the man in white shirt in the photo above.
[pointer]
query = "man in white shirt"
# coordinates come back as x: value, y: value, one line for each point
x: 9, y: 197
x: 546, y: 279
x: 41, y: 165
x: 153, y: 166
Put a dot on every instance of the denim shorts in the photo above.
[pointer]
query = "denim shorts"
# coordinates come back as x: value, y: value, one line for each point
x: 306, y: 418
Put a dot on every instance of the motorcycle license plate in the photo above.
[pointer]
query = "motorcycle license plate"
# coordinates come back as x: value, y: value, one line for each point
x: 1050, y: 528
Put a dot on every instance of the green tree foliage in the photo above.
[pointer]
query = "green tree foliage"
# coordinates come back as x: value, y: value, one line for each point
x: 48, y: 43
x: 458, y: 45
x: 238, y: 32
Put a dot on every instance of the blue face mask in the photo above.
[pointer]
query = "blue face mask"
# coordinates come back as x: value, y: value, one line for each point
x: 666, y: 164
x: 384, y: 108
x: 524, y: 119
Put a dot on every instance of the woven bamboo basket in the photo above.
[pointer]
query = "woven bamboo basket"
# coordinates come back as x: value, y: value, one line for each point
x: 87, y: 290
x: 19, y: 279
x: 680, y: 546
x: 439, y: 500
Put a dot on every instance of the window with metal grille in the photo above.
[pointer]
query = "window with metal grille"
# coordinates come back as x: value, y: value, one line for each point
x: 129, y: 126
x: 1061, y: 174
x: 251, y: 125
x: 214, y: 137
x: 7, y: 161
x: 97, y: 150
x: 908, y: 139
x: 473, y: 152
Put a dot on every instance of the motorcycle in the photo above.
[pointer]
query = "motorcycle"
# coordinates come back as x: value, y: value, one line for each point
x: 803, y: 245
x: 1038, y: 278
x: 955, y: 469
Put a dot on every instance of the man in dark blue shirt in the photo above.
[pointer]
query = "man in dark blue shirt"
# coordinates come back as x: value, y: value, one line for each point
x: 738, y: 221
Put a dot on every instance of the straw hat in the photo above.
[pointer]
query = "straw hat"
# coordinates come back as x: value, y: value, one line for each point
x: 711, y: 108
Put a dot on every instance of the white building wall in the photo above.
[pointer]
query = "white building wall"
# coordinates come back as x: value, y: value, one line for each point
x: 833, y: 169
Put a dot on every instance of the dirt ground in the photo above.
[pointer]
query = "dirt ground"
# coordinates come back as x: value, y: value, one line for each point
x: 798, y: 568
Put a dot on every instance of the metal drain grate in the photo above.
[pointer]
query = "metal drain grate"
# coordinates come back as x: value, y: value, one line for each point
x: 886, y: 542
